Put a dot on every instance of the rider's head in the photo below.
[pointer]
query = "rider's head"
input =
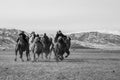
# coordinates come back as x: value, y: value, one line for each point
x: 59, y: 31
x: 33, y: 32
x: 44, y: 34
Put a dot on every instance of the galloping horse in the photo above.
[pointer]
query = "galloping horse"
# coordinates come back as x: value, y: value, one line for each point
x: 61, y: 47
x: 47, y: 46
x: 68, y: 44
x: 36, y: 48
x: 22, y: 46
x: 31, y: 40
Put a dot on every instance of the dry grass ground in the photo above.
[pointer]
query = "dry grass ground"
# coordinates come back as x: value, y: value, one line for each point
x: 80, y: 65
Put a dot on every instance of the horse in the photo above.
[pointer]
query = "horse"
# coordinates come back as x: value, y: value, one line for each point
x: 47, y: 46
x: 59, y: 49
x: 22, y: 46
x: 36, y: 48
x: 68, y: 44
x: 31, y: 39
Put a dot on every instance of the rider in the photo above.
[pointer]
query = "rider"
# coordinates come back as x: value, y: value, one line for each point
x: 45, y: 37
x: 22, y: 33
x: 33, y: 33
x: 37, y: 35
x: 59, y: 33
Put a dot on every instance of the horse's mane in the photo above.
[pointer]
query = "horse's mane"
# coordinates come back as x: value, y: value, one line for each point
x: 31, y: 39
x: 56, y: 37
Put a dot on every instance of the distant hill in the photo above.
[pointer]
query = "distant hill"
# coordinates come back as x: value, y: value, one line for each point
x: 8, y: 37
x: 94, y: 40
x: 82, y: 40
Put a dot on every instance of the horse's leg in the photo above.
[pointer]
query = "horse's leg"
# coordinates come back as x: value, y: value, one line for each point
x: 62, y: 57
x: 38, y: 55
x: 54, y: 52
x: 68, y: 53
x: 50, y: 55
x: 27, y: 55
x: 56, y: 55
x: 34, y: 57
x: 42, y: 55
x: 21, y: 55
x: 16, y: 50
x: 29, y: 49
x: 46, y: 55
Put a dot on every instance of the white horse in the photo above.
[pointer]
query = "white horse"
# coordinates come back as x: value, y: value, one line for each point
x: 31, y: 40
x: 36, y: 48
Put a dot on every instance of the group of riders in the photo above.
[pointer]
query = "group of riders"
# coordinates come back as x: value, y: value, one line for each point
x: 59, y: 34
x: 60, y: 42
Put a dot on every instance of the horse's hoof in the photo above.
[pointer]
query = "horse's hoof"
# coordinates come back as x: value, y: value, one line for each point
x: 66, y: 56
x: 22, y: 60
x: 49, y: 58
x: 28, y: 60
x: 15, y: 59
x: 57, y: 60
x: 34, y: 61
x: 61, y: 59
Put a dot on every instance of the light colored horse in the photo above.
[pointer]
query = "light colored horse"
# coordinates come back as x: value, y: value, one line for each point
x: 36, y: 48
x: 31, y: 39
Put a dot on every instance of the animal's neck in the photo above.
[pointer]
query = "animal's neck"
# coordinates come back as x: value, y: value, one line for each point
x: 32, y: 39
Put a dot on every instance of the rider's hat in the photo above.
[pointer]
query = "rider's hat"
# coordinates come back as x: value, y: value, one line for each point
x: 44, y: 34
x: 33, y: 32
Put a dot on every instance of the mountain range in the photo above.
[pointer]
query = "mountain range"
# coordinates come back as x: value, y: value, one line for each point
x: 94, y: 39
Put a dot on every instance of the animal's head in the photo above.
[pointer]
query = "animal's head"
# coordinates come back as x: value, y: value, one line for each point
x: 68, y: 42
x: 21, y: 40
x: 21, y: 37
x: 37, y: 39
x: 60, y: 39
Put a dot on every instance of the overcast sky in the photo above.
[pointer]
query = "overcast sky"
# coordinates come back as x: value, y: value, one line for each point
x: 67, y: 15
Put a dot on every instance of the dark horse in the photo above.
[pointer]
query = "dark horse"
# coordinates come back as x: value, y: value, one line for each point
x: 47, y: 45
x: 61, y: 47
x: 68, y: 44
x: 21, y: 47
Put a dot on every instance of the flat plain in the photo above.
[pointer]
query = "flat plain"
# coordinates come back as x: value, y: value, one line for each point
x: 82, y: 64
